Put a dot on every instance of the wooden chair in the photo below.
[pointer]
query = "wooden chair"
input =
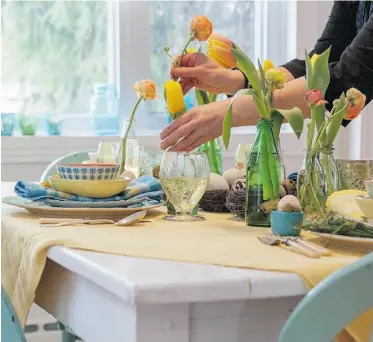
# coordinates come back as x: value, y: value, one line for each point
x: 73, y: 158
x: 332, y: 304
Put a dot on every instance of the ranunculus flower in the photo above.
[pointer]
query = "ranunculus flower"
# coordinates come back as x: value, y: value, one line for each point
x: 314, y: 97
x: 275, y: 78
x: 174, y: 98
x: 200, y: 28
x: 356, y: 102
x: 219, y: 50
x: 146, y: 89
x: 314, y: 58
x: 267, y: 65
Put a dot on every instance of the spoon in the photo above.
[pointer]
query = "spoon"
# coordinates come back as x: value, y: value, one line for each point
x: 126, y: 221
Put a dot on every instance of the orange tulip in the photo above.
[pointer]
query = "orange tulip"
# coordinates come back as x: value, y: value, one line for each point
x: 146, y: 89
x: 200, y: 28
x: 219, y: 50
x: 314, y: 97
x: 356, y: 102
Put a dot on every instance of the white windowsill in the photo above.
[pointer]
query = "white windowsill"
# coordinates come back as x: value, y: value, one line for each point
x: 44, y: 149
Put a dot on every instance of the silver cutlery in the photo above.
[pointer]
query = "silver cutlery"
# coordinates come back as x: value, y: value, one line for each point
x: 126, y: 221
x: 272, y: 240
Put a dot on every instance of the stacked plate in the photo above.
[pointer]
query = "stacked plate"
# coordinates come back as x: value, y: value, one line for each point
x: 89, y: 180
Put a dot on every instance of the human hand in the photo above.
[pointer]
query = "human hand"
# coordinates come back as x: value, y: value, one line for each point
x: 197, y: 126
x: 197, y: 70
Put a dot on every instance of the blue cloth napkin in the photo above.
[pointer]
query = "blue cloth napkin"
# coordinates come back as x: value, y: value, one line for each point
x: 139, y: 188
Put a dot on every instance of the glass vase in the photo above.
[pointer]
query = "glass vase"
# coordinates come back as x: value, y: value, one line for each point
x: 7, y: 124
x: 54, y: 124
x: 130, y: 145
x: 311, y: 186
x: 329, y: 166
x: 214, y: 155
x: 27, y: 124
x: 263, y: 174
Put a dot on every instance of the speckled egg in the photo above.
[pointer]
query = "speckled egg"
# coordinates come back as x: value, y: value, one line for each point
x: 289, y: 203
x: 239, y: 185
x: 232, y: 175
x: 217, y: 182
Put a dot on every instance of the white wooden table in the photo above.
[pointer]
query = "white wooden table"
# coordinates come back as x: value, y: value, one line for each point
x: 107, y: 298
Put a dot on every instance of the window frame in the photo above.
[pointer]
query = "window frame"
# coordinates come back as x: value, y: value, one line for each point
x: 126, y: 68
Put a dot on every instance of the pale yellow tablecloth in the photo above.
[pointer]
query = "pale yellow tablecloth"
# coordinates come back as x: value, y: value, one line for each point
x: 219, y: 240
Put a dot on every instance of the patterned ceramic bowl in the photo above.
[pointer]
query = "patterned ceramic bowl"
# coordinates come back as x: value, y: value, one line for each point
x: 88, y: 171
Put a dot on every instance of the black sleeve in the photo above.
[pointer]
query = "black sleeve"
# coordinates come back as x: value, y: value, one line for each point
x: 339, y: 32
x: 355, y: 67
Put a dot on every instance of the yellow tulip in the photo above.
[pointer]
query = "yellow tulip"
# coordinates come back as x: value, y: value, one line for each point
x: 200, y: 28
x: 275, y: 78
x: 190, y: 50
x: 268, y: 65
x: 219, y: 50
x: 175, y: 99
x: 314, y: 58
x: 146, y: 89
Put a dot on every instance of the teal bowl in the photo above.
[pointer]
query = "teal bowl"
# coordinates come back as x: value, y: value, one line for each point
x: 283, y: 223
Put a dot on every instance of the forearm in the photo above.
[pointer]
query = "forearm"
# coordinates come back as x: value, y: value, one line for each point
x: 292, y: 94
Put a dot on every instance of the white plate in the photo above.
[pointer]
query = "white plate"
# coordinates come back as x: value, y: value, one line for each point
x: 42, y: 210
x: 348, y: 240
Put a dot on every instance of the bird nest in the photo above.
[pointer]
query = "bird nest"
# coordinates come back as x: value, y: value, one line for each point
x: 236, y: 202
x: 214, y: 201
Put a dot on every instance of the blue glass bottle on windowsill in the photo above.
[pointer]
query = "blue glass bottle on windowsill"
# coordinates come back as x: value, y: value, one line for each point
x: 7, y: 124
x: 104, y: 109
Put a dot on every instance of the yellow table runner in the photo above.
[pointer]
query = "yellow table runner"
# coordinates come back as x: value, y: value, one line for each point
x: 219, y: 240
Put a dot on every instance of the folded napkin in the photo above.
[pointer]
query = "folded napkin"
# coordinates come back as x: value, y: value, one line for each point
x: 144, y: 187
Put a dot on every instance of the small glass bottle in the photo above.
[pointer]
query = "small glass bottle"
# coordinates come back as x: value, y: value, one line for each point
x: 329, y: 166
x: 311, y: 185
x: 132, y: 155
x: 104, y: 109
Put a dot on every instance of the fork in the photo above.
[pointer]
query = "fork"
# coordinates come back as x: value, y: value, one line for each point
x: 272, y: 240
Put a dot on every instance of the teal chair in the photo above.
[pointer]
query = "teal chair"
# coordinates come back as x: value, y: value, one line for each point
x: 332, y: 304
x: 73, y: 158
x: 11, y: 330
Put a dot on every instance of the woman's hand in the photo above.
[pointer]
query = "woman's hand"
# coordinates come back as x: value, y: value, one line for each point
x: 197, y: 70
x: 192, y: 129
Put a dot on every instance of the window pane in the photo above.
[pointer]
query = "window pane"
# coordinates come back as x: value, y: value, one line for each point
x: 169, y: 26
x: 52, y: 54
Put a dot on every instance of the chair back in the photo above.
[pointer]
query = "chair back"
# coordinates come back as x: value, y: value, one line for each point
x: 332, y: 304
x: 11, y: 330
x: 72, y: 158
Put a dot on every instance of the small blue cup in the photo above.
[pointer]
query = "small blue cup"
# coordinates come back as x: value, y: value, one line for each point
x: 283, y: 223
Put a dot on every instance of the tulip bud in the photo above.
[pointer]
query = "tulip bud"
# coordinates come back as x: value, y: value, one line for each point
x: 267, y: 65
x: 275, y: 78
x: 146, y: 89
x: 314, y: 58
x: 219, y: 50
x: 314, y: 97
x: 175, y: 99
x: 200, y: 28
x: 356, y: 102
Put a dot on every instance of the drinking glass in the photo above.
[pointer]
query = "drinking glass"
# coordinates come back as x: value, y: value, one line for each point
x: 107, y: 152
x: 184, y: 177
x: 242, y: 152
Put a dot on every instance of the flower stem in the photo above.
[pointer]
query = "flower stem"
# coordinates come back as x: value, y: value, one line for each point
x: 124, y: 138
x: 184, y: 50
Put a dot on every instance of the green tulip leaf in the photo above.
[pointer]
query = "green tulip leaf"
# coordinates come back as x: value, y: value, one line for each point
x: 309, y: 70
x: 212, y: 97
x: 262, y: 77
x: 227, y: 123
x: 248, y: 68
x: 320, y: 72
x: 277, y: 120
x: 202, y: 97
x: 295, y: 118
x: 335, y: 121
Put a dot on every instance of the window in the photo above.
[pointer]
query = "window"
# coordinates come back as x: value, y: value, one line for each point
x: 55, y: 51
